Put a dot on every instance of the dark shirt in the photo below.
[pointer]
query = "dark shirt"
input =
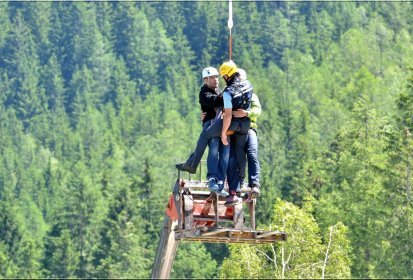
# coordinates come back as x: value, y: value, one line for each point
x: 209, y: 100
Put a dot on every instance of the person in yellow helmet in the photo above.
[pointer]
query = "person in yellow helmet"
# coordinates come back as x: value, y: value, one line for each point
x: 236, y: 166
x: 237, y: 94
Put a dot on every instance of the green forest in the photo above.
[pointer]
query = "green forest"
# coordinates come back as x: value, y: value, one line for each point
x: 99, y: 100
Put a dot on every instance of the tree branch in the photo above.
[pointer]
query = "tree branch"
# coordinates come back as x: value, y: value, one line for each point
x: 323, y: 268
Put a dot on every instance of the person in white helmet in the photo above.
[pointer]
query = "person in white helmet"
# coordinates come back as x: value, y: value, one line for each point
x: 210, y: 98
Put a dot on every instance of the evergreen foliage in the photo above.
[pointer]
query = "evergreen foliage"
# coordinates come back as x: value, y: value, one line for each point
x: 98, y: 100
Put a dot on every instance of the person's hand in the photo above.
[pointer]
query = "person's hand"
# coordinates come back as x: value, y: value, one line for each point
x: 224, y: 138
x: 203, y: 116
x: 240, y: 113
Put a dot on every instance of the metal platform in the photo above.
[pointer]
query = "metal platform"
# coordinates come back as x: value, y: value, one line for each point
x: 203, y: 217
x: 194, y: 214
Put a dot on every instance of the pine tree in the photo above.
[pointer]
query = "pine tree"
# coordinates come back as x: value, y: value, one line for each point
x: 120, y: 252
x: 23, y: 65
x: 358, y: 187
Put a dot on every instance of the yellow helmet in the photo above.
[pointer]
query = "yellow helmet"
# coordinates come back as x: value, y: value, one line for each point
x: 228, y: 68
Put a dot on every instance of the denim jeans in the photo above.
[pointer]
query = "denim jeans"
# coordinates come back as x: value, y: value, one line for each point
x: 217, y: 160
x: 237, y: 164
x: 240, y: 125
x: 233, y: 172
x: 252, y: 156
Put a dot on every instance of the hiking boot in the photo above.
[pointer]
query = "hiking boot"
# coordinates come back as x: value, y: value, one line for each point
x: 185, y: 167
x: 255, y: 191
x: 233, y: 199
x: 212, y: 185
x: 221, y: 191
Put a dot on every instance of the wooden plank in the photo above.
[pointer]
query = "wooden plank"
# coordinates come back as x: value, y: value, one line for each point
x: 265, y: 234
x: 211, y: 218
x: 243, y: 240
x: 230, y: 235
x: 214, y: 232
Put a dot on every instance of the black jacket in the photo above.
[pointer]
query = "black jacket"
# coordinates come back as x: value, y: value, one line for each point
x: 209, y: 100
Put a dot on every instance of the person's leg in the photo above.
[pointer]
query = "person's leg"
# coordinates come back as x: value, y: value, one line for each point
x: 252, y: 155
x: 223, y: 162
x: 232, y: 171
x: 233, y: 177
x: 212, y: 163
x: 237, y: 125
x: 212, y: 131
x: 253, y: 164
x: 224, y: 151
x: 213, y: 159
x: 194, y: 159
x: 240, y: 144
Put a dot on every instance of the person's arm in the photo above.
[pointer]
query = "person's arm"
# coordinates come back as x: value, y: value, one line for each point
x: 210, y: 100
x: 255, y: 110
x: 203, y: 116
x: 227, y: 117
x: 225, y: 126
x: 253, y: 113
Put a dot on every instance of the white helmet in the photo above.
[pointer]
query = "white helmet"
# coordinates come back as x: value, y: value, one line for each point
x: 209, y: 72
x: 242, y: 74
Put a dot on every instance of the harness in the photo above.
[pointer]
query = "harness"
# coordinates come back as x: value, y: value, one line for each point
x: 241, y: 93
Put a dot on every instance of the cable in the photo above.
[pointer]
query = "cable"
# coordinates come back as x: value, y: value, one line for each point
x: 230, y: 25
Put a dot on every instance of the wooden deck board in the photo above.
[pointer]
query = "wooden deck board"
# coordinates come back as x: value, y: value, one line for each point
x: 230, y: 235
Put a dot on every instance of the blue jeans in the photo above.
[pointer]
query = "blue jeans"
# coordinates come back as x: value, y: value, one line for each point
x: 252, y: 156
x: 237, y: 164
x: 217, y: 160
x: 233, y: 172
x: 240, y: 125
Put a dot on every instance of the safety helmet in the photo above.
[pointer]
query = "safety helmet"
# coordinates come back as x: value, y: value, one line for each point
x: 228, y: 68
x: 242, y: 74
x: 209, y: 72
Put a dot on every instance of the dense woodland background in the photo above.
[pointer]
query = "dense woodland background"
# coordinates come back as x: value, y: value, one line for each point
x: 99, y: 100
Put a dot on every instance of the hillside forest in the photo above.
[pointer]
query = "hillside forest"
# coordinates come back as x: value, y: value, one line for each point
x: 99, y: 100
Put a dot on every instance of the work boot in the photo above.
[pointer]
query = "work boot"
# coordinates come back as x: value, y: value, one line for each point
x: 233, y: 199
x: 185, y: 167
x: 255, y: 190
x: 212, y: 185
x: 221, y: 191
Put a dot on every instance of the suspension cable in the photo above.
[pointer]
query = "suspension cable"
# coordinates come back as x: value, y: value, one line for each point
x: 230, y: 24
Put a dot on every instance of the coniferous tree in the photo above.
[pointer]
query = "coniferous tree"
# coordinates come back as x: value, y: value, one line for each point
x: 360, y: 175
x: 99, y: 100
x: 64, y: 18
x: 120, y: 252
x: 23, y: 65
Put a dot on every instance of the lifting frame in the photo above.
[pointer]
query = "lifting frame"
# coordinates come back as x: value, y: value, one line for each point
x: 195, y: 214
